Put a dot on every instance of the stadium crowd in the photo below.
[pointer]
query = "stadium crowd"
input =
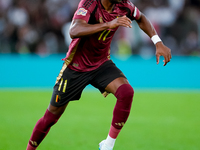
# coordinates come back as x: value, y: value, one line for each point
x: 40, y: 26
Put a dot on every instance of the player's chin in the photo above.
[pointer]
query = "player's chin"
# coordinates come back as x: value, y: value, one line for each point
x: 115, y: 1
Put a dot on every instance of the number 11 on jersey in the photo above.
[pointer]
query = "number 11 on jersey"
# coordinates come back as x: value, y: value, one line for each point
x: 106, y: 34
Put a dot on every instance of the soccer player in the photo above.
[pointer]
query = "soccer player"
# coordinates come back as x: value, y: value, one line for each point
x: 88, y: 62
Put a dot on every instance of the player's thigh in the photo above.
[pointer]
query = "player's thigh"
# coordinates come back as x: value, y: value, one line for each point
x: 57, y: 110
x: 68, y: 87
x: 109, y: 78
x: 115, y: 84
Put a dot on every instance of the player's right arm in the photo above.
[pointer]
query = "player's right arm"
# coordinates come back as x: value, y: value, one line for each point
x: 80, y: 27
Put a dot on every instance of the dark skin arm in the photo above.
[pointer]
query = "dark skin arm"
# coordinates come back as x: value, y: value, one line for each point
x: 80, y: 28
x: 161, y: 49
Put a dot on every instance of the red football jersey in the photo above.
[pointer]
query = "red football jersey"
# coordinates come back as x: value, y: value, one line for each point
x: 88, y: 53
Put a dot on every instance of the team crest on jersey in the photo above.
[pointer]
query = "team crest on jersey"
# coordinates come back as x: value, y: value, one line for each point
x: 82, y: 12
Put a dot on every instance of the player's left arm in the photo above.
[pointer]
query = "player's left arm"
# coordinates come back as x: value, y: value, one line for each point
x: 161, y: 49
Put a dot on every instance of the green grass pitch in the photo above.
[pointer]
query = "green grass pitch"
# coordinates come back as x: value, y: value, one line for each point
x: 158, y: 121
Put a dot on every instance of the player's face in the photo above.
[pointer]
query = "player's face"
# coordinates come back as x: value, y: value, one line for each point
x: 115, y: 1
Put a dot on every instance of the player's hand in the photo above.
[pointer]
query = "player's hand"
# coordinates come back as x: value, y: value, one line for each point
x: 162, y: 50
x: 120, y: 21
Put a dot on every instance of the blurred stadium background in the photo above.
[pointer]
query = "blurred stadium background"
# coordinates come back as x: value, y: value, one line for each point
x: 33, y: 40
x: 34, y: 36
x: 40, y: 27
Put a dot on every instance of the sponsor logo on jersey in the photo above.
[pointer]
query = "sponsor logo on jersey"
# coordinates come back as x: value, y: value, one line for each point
x: 82, y: 12
x: 75, y: 65
x: 100, y: 20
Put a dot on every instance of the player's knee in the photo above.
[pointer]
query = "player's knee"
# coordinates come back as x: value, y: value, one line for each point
x: 125, y: 92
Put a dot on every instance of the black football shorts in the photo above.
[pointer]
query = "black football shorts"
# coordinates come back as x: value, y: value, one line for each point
x: 70, y: 83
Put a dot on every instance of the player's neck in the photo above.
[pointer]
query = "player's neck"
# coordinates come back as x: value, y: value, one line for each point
x: 108, y: 6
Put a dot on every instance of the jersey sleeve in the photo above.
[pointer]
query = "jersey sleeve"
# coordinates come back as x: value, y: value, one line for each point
x: 84, y: 10
x: 135, y: 12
